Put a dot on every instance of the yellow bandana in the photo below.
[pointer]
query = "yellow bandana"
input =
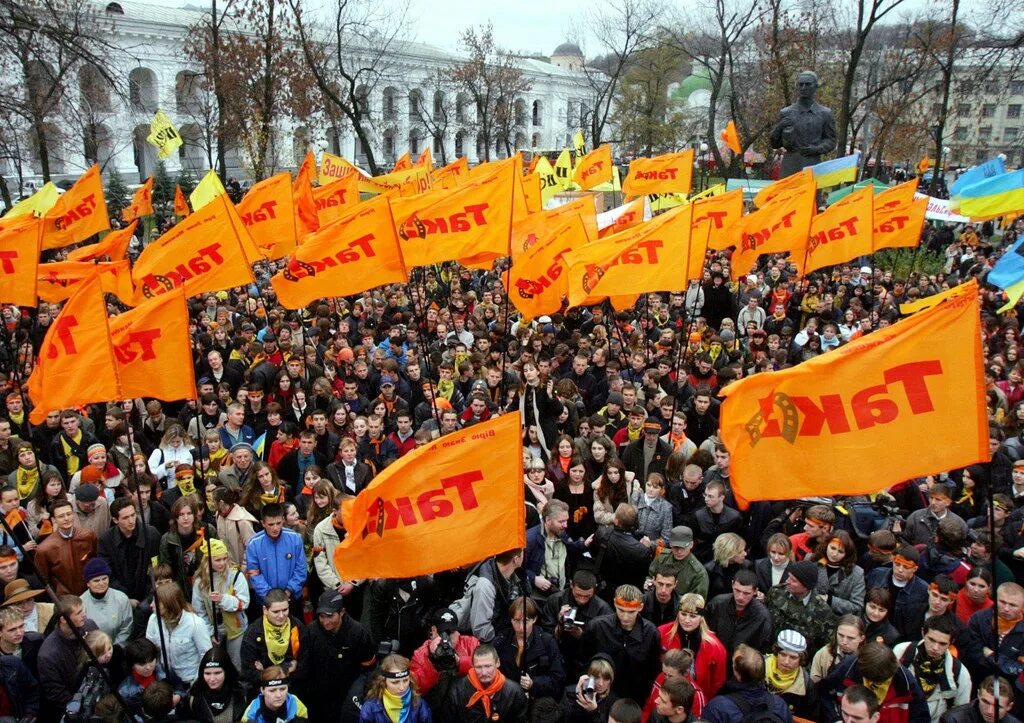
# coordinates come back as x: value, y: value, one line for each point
x: 277, y: 637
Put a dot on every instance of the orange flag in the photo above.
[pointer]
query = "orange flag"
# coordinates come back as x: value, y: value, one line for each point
x: 900, y: 194
x: 732, y: 138
x: 205, y: 252
x: 271, y: 217
x: 181, y: 209
x: 142, y: 202
x: 899, y: 217
x: 113, y: 246
x: 531, y: 167
x: 76, y: 363
x: 531, y: 193
x: 80, y: 213
x: 60, y: 279
x: 782, y: 224
x: 302, y: 192
x: 842, y: 232
x: 628, y: 215
x: 473, y: 220
x: 538, y: 276
x: 918, y: 381
x: 452, y: 175
x: 21, y: 241
x: 528, y: 231
x: 719, y: 213
x: 402, y: 164
x: 797, y: 180
x: 153, y: 350
x: 636, y: 261
x: 335, y: 199
x: 670, y: 173
x: 359, y: 251
x: 426, y: 160
x: 594, y: 168
x: 416, y: 516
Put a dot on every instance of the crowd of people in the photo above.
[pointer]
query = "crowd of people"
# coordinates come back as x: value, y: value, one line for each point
x: 189, y: 546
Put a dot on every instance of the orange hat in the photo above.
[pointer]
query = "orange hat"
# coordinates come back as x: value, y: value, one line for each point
x: 442, y: 403
x: 90, y: 474
x: 345, y: 355
x: 695, y: 337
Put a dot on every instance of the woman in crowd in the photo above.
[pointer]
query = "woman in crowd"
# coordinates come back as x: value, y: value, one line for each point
x: 263, y: 488
x: 275, y: 704
x: 690, y: 631
x: 216, y: 696
x: 539, y: 487
x: 976, y: 594
x: 576, y: 493
x: 228, y: 596
x: 183, y: 545
x: 785, y: 675
x: 730, y: 556
x: 175, y: 448
x: 393, y: 695
x: 51, y: 488
x: 558, y: 467
x: 877, y: 606
x: 592, y: 698
x: 613, y: 487
x: 847, y: 640
x: 185, y: 638
x: 654, y: 512
x: 771, y: 570
x: 838, y: 556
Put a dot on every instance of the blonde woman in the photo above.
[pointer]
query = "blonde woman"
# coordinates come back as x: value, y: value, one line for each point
x: 184, y: 633
x: 690, y: 631
x: 175, y: 448
x: 730, y: 556
x: 393, y: 695
x: 229, y: 594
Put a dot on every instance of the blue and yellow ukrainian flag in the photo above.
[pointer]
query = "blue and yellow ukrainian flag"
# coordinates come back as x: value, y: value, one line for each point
x: 988, y: 169
x: 992, y: 197
x: 1008, y: 274
x: 837, y: 171
x: 260, y: 445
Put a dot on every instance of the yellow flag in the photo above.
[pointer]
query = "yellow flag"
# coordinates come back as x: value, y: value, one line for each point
x: 563, y: 170
x: 594, y: 168
x: 206, y: 190
x: 578, y: 144
x: 37, y: 204
x: 549, y: 184
x: 164, y: 135
x: 334, y: 168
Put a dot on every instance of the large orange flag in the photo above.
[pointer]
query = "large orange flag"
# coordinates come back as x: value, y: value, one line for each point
x: 670, y: 173
x: 204, y: 252
x: 153, y: 349
x: 181, y: 209
x: 630, y: 214
x: 472, y: 221
x: 790, y: 183
x: 76, y: 363
x: 594, y: 168
x: 418, y: 515
x: 271, y: 217
x: 402, y: 164
x: 842, y: 232
x: 20, y: 243
x: 453, y: 175
x: 113, y: 246
x: 142, y: 202
x: 918, y: 383
x: 715, y: 215
x: 426, y: 159
x: 335, y: 199
x: 899, y: 217
x: 782, y: 224
x: 60, y: 279
x: 80, y: 213
x: 359, y: 251
x: 538, y: 275
x: 302, y: 191
x: 528, y: 231
x: 636, y: 261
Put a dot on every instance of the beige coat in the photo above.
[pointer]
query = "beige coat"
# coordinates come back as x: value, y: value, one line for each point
x: 604, y: 514
x: 235, y: 531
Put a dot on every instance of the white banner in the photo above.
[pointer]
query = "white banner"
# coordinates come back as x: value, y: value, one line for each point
x: 939, y: 210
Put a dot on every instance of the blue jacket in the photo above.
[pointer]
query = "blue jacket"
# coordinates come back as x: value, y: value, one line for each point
x: 723, y: 709
x: 373, y: 712
x: 276, y: 563
x: 294, y: 710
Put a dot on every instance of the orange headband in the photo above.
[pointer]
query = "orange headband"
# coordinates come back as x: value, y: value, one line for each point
x: 628, y: 604
x: 904, y: 562
x: 8, y: 558
x: 935, y: 588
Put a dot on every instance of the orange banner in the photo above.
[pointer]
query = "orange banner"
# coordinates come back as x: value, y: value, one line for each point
x: 76, y: 363
x: 202, y: 253
x: 842, y: 232
x: 307, y: 220
x: 359, y: 251
x: 732, y: 138
x: 269, y: 213
x: 472, y: 221
x: 153, y: 350
x: 899, y: 217
x: 60, y: 279
x: 670, y: 173
x: 790, y: 183
x: 642, y: 259
x: 402, y: 164
x: 181, y: 209
x: 531, y: 193
x: 628, y: 215
x: 21, y: 241
x: 715, y: 215
x: 80, y: 213
x: 526, y: 232
x: 113, y: 246
x: 901, y: 194
x: 416, y: 517
x: 142, y: 202
x: 335, y: 199
x: 594, y: 168
x: 453, y: 175
x: 782, y: 224
x: 538, y: 276
x: 426, y: 160
x: 918, y: 382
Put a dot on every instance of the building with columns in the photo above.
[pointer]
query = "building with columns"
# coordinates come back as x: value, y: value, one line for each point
x: 112, y: 130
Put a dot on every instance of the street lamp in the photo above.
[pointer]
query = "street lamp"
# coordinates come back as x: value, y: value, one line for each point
x: 703, y: 164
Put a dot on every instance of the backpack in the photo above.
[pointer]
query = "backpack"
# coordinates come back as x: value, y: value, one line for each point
x: 462, y: 606
x: 760, y: 712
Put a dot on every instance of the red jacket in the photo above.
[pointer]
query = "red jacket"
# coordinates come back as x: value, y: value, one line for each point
x: 403, y: 447
x: 699, y: 700
x: 423, y: 670
x: 709, y: 667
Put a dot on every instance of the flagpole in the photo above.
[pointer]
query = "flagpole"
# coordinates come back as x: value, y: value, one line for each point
x: 217, y: 618
x: 421, y: 342
x: 692, y: 322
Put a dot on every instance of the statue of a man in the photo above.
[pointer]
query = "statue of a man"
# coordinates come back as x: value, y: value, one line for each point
x: 806, y: 129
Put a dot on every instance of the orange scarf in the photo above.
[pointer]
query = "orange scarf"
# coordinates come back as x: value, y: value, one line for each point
x: 1006, y: 626
x: 482, y: 693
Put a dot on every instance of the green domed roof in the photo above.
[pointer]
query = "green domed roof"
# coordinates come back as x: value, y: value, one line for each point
x: 697, y: 80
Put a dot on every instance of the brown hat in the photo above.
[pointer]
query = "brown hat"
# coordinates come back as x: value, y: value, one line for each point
x: 18, y: 591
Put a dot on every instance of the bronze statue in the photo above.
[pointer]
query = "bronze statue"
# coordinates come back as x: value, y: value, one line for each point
x: 806, y: 129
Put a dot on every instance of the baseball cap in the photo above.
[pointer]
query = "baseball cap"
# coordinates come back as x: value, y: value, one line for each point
x: 446, y: 621
x: 330, y: 602
x: 681, y: 536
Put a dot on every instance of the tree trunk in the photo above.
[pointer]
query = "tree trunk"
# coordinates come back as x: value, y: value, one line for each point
x: 947, y: 83
x: 218, y: 92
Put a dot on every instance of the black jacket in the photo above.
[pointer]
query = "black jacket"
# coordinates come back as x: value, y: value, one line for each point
x: 636, y: 653
x: 633, y: 458
x: 507, y: 705
x: 129, y: 559
x: 254, y: 650
x: 330, y: 663
x: 542, y: 661
x: 753, y: 628
x: 623, y: 559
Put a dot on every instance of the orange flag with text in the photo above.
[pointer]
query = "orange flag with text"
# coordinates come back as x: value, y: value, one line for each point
x: 416, y: 516
x: 669, y: 173
x: 630, y: 214
x: 359, y: 251
x: 402, y: 164
x: 594, y: 168
x: 75, y: 365
x: 537, y: 278
x: 842, y: 232
x: 181, y: 209
x: 790, y: 183
x: 529, y: 230
x: 142, y: 202
x: 204, y: 252
x: 783, y: 224
x: 715, y: 215
x: 307, y: 220
x: 20, y: 243
x: 80, y: 213
x: 113, y: 246
x: 271, y: 216
x: 60, y: 279
x: 335, y: 199
x: 153, y: 350
x: 453, y: 175
x: 919, y: 381
x: 426, y: 160
x: 899, y: 217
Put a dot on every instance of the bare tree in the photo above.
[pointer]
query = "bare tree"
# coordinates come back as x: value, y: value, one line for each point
x: 647, y: 120
x: 437, y: 113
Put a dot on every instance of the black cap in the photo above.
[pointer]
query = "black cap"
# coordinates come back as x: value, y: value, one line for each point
x: 330, y: 602
x: 446, y: 621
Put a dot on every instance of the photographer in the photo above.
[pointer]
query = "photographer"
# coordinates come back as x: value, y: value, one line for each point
x: 622, y: 555
x: 564, y: 615
x: 445, y: 655
x: 592, y: 698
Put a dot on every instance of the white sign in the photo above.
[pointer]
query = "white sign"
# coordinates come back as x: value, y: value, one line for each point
x: 939, y: 210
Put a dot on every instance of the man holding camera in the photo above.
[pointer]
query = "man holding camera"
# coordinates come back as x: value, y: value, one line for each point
x: 567, y: 613
x: 446, y: 652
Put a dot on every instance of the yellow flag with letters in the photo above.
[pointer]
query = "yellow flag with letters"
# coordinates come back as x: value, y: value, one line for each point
x: 549, y: 184
x: 206, y: 190
x: 37, y: 204
x: 563, y: 170
x: 578, y: 144
x: 164, y: 135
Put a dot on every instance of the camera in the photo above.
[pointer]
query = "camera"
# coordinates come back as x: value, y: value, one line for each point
x: 569, y: 619
x: 589, y: 689
x: 386, y: 647
x: 444, y: 656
